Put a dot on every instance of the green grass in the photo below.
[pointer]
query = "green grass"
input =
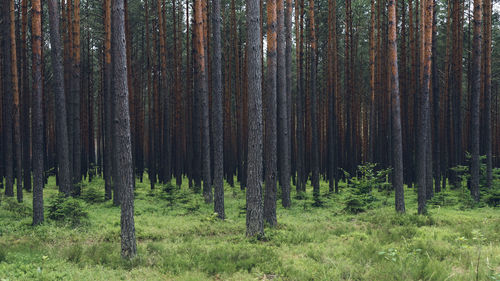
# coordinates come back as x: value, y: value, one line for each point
x: 179, y: 238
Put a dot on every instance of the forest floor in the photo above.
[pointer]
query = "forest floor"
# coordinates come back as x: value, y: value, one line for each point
x: 179, y: 238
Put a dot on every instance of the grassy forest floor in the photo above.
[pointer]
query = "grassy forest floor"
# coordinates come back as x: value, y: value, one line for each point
x: 179, y: 238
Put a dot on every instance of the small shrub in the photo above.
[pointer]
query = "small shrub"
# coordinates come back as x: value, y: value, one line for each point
x: 67, y: 209
x: 354, y: 204
x: 92, y: 195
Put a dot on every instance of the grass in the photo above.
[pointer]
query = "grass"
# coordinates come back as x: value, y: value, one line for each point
x: 179, y: 238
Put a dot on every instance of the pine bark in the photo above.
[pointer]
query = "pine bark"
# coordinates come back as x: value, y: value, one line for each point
x: 475, y: 95
x: 397, y: 142
x: 254, y: 215
x: 64, y: 172
x: 122, y: 141
x: 282, y: 108
x: 270, y: 136
x: 217, y: 114
x: 36, y: 28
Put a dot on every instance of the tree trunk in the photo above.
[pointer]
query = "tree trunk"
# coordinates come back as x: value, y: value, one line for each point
x: 397, y: 142
x: 121, y: 139
x: 36, y: 28
x: 314, y: 114
x: 217, y: 118
x: 282, y: 108
x: 487, y: 90
x: 254, y: 214
x: 475, y: 93
x: 64, y: 172
x: 8, y: 100
x: 270, y: 116
x: 76, y: 89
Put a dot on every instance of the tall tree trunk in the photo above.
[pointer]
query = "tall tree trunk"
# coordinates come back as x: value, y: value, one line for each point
x: 397, y: 142
x: 76, y: 89
x: 475, y: 93
x: 203, y: 99
x: 332, y: 86
x: 16, y: 109
x: 122, y: 142
x: 36, y: 28
x: 282, y: 108
x: 270, y: 136
x: 108, y: 115
x: 8, y: 100
x: 314, y: 114
x: 217, y: 118
x: 254, y: 214
x: 435, y: 104
x: 64, y: 172
x: 488, y: 7
x: 422, y: 141
x: 25, y: 100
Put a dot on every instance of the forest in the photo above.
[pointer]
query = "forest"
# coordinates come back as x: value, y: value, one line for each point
x: 249, y: 140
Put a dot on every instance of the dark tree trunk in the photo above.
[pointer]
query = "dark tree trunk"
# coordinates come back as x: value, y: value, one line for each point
x: 122, y: 141
x: 435, y: 104
x: 108, y: 121
x: 282, y: 108
x: 270, y: 136
x: 487, y: 91
x: 254, y: 215
x: 64, y: 173
x: 25, y: 100
x: 218, y: 123
x: 76, y: 89
x: 475, y: 93
x: 8, y: 100
x: 37, y: 101
x: 314, y: 114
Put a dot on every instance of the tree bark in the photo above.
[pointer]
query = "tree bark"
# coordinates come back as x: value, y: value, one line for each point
x: 64, y: 172
x: 270, y: 116
x: 475, y: 93
x: 217, y: 118
x: 282, y: 108
x: 254, y: 215
x: 397, y: 142
x: 122, y: 141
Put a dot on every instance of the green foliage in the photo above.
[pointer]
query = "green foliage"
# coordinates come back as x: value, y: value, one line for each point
x: 359, y: 196
x: 17, y: 209
x: 92, y: 194
x: 183, y: 240
x: 67, y: 209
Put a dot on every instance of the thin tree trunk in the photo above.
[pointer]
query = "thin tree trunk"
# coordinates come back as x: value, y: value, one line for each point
x: 108, y: 115
x: 282, y: 108
x: 397, y: 142
x: 270, y: 136
x: 36, y: 28
x: 218, y: 123
x: 487, y: 90
x: 76, y: 89
x: 314, y: 114
x: 475, y: 93
x: 8, y: 100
